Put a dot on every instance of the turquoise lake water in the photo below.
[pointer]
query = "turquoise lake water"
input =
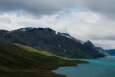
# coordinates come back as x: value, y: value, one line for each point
x: 103, y: 67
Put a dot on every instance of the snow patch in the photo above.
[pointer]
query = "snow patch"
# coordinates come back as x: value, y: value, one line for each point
x: 56, y: 32
x: 23, y: 30
x: 82, y: 42
x: 64, y: 50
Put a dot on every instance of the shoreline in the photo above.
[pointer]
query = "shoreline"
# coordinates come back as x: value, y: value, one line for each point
x: 81, y: 62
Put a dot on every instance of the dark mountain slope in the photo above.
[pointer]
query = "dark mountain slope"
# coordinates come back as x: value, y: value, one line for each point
x: 103, y: 51
x: 21, y: 61
x: 46, y: 39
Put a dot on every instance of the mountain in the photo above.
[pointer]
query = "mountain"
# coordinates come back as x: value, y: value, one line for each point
x: 46, y: 39
x: 22, y: 61
x: 103, y: 51
x: 111, y: 52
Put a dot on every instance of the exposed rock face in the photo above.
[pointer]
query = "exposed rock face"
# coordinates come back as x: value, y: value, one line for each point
x: 103, y: 51
x: 46, y: 39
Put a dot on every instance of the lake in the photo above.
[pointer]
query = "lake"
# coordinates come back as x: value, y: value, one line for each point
x: 103, y: 67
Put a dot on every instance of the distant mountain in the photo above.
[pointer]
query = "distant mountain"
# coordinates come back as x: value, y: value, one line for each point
x: 111, y: 52
x: 22, y: 61
x: 103, y: 51
x: 46, y: 39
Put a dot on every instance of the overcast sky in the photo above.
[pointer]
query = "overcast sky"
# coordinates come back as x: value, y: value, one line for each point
x: 83, y: 19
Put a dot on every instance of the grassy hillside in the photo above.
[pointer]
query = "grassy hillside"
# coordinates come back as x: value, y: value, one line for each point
x: 21, y: 61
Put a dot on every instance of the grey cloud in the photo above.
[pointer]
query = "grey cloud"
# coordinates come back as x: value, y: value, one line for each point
x: 49, y: 7
x: 96, y: 37
x: 82, y: 25
x: 106, y: 44
x: 35, y: 7
x: 5, y: 20
x: 103, y: 7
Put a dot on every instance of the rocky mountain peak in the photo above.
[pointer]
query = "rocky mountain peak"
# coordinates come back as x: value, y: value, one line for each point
x: 88, y: 42
x: 32, y: 29
x: 46, y: 39
x: 26, y: 29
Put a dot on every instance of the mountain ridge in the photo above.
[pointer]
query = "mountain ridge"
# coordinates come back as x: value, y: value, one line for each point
x: 46, y: 39
x: 111, y: 52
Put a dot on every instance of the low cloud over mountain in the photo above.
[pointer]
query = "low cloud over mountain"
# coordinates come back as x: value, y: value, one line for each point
x: 92, y: 19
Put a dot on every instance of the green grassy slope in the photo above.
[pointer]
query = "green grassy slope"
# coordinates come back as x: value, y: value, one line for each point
x: 21, y: 61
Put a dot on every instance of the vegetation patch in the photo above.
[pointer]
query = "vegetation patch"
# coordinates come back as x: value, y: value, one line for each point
x: 22, y: 61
